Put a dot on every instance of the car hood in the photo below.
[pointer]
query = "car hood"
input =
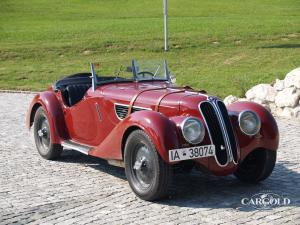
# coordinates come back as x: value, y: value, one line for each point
x: 158, y: 96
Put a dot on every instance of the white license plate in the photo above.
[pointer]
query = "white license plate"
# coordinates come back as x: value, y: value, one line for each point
x: 191, y: 153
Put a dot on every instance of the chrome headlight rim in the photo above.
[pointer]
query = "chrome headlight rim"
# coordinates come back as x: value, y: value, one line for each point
x: 202, y: 129
x: 257, y: 119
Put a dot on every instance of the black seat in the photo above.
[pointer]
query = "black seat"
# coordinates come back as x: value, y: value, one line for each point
x: 75, y: 92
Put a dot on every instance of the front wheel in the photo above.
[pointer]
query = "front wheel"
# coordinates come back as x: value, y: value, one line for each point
x: 257, y: 166
x: 148, y: 175
x: 41, y: 131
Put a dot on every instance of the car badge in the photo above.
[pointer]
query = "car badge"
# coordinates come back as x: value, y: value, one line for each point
x: 222, y: 147
x: 210, y: 98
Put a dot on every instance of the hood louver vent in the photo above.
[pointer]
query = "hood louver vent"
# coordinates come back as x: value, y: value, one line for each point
x: 121, y: 111
x: 135, y: 109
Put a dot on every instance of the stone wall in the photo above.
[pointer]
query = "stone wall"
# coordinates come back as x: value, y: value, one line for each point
x: 282, y: 98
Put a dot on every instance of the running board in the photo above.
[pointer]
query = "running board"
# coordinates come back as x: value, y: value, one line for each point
x: 75, y: 146
x: 118, y: 163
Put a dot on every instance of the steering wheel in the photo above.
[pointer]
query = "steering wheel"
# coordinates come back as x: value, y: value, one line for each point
x: 143, y: 73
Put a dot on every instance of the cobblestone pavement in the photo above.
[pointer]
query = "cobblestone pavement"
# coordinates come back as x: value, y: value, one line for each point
x: 84, y: 190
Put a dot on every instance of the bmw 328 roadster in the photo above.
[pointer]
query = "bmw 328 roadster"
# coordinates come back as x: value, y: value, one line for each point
x: 150, y: 126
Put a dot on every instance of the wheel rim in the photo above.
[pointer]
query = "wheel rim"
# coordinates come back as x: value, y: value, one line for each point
x: 142, y: 166
x: 43, y: 135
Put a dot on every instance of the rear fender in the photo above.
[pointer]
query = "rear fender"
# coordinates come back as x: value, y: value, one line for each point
x: 161, y: 131
x: 52, y: 107
x: 267, y: 138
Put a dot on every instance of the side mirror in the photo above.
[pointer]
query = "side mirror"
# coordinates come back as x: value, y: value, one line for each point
x: 172, y: 78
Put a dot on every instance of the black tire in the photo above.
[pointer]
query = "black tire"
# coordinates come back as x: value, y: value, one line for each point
x: 41, y: 131
x: 257, y: 166
x: 148, y: 175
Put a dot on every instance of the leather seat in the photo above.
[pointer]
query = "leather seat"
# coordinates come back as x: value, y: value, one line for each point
x: 76, y: 92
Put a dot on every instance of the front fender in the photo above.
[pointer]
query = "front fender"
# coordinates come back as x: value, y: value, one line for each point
x: 268, y: 137
x: 52, y: 107
x: 161, y: 130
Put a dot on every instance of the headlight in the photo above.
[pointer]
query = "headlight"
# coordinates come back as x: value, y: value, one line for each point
x: 249, y: 123
x: 193, y: 130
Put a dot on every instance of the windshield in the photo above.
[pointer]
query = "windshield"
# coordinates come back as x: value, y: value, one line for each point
x: 137, y: 71
x: 150, y: 70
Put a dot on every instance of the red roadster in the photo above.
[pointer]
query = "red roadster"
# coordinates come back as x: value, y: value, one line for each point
x: 150, y: 126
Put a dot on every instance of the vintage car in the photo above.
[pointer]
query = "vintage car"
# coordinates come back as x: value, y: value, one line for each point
x: 151, y: 127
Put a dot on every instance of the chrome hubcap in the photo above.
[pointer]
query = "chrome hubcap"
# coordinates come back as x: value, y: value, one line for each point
x: 140, y: 163
x: 42, y: 132
x: 143, y: 166
x: 44, y: 135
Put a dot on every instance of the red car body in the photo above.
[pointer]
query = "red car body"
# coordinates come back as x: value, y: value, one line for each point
x: 104, y: 118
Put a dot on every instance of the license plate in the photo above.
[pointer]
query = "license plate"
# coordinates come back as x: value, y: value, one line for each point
x: 191, y: 153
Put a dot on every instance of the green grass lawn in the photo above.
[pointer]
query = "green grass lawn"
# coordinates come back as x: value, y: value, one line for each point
x: 222, y: 46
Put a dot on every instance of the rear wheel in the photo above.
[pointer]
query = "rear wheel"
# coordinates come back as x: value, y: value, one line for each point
x: 148, y: 175
x: 41, y: 130
x: 257, y: 166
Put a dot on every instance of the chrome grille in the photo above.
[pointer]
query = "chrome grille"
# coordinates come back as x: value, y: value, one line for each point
x: 220, y: 129
x: 229, y: 129
x: 214, y: 127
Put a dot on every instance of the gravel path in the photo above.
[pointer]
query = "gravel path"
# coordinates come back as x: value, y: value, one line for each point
x: 81, y: 189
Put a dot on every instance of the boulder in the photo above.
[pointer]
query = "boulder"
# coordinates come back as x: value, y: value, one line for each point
x: 278, y: 111
x: 259, y: 101
x: 296, y: 112
x: 287, y: 112
x: 273, y: 108
x: 288, y: 97
x: 292, y: 79
x: 262, y: 92
x: 279, y: 85
x: 230, y: 99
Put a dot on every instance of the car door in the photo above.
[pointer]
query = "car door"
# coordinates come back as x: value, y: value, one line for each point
x: 82, y: 119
